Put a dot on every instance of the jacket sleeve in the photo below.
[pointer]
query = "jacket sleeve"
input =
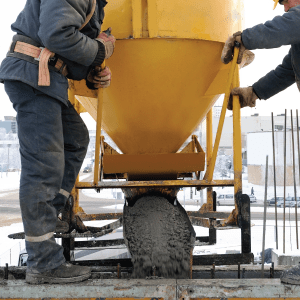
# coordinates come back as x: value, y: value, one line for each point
x: 282, y: 30
x: 60, y: 21
x: 277, y: 80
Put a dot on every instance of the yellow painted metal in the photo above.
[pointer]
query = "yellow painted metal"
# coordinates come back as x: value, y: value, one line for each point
x: 164, y: 163
x: 209, y: 152
x: 77, y: 105
x: 98, y: 132
x: 155, y: 183
x: 156, y: 101
x: 237, y: 140
x: 280, y: 298
x: 191, y: 19
x: 212, y: 161
x: 209, y: 137
x: 88, y: 298
x: 166, y: 70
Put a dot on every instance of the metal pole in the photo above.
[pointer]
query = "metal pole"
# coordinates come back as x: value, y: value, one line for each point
x: 265, y: 217
x: 8, y: 156
x: 298, y: 142
x: 98, y: 133
x: 209, y: 152
x: 274, y: 171
x: 294, y: 177
x: 284, y: 179
x: 237, y: 142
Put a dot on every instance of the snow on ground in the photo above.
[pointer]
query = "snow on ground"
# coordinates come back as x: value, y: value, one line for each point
x: 116, y: 207
x: 104, y: 194
x: 9, y: 181
x: 10, y: 249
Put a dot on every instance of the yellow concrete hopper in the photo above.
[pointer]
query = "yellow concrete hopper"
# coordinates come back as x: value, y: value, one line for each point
x: 166, y: 71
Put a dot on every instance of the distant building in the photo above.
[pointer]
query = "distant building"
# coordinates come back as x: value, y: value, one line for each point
x: 254, y: 123
x: 9, y: 124
x: 217, y: 111
x: 259, y: 145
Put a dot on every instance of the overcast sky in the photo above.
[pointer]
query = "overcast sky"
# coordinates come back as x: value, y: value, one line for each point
x: 255, y: 12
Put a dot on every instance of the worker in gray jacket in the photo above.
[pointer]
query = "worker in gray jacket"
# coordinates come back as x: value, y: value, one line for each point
x: 282, y: 30
x: 55, y: 41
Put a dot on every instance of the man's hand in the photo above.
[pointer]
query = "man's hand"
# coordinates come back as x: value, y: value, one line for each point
x: 100, y: 78
x: 108, y: 41
x: 246, y: 95
x: 228, y: 50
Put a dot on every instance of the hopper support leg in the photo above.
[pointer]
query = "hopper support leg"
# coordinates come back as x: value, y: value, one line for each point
x: 244, y: 222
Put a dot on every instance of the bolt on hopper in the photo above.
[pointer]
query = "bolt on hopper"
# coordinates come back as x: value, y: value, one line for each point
x: 167, y: 75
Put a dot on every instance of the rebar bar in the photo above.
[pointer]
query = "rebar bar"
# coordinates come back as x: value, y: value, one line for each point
x: 265, y: 218
x: 298, y: 142
x: 294, y: 178
x: 274, y: 172
x: 284, y: 179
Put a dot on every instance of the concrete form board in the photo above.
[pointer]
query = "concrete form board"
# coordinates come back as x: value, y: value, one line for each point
x: 100, y: 289
x: 236, y: 288
x: 168, y: 289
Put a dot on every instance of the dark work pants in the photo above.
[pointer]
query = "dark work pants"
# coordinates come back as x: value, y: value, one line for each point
x: 53, y: 143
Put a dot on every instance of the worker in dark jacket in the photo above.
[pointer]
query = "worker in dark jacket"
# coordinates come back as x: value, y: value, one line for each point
x: 54, y: 40
x: 282, y: 30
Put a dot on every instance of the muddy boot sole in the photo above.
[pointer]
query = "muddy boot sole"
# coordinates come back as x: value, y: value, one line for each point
x: 40, y: 279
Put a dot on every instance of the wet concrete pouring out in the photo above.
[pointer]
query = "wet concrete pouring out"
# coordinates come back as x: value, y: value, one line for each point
x: 159, y: 236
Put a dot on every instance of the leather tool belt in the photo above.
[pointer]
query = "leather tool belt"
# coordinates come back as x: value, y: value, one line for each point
x: 27, y: 49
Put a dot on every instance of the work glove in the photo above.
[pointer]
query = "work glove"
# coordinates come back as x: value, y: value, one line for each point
x: 246, y: 95
x: 99, y: 78
x: 108, y: 41
x: 248, y: 58
x: 228, y: 50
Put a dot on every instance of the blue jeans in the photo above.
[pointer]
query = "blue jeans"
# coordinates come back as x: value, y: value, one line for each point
x: 53, y: 143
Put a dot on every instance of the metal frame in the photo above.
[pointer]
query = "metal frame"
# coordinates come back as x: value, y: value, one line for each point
x: 207, y: 216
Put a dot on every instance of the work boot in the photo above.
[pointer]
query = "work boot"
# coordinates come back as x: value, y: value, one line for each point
x: 61, y: 226
x: 65, y: 273
x: 291, y: 276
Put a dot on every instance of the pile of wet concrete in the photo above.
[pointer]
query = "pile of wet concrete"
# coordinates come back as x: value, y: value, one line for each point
x: 159, y: 236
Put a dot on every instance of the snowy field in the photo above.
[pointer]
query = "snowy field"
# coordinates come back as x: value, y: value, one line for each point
x: 227, y: 240
x: 9, y: 181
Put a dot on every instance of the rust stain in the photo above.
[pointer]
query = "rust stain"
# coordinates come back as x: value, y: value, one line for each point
x: 122, y: 288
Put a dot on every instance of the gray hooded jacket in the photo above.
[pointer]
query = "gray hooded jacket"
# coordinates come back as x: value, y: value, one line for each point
x: 55, y: 25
